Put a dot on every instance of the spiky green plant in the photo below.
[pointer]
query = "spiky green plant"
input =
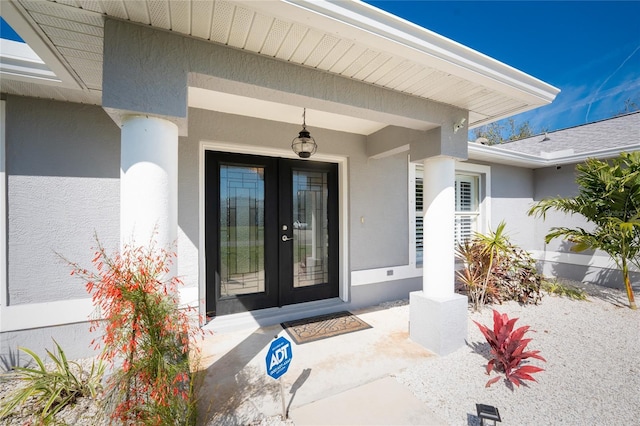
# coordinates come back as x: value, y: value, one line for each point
x: 609, y: 197
x: 54, y: 389
x: 564, y: 290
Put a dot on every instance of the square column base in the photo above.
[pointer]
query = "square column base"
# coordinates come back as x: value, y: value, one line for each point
x: 439, y: 324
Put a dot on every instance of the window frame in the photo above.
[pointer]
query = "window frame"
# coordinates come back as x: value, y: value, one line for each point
x: 481, y: 174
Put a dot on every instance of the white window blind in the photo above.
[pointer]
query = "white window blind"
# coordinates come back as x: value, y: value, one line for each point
x: 467, y: 207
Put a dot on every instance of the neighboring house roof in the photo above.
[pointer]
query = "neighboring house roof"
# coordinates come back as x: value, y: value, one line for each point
x: 601, y: 139
x: 349, y: 38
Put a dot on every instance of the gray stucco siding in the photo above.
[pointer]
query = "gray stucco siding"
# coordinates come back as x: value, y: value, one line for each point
x: 377, y: 188
x: 556, y: 182
x: 62, y: 163
x: 511, y: 198
x: 561, y: 182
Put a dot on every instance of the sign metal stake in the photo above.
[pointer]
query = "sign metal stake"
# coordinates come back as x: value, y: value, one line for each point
x: 284, y: 409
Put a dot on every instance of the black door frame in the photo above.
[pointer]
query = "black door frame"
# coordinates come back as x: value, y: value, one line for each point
x: 279, y: 291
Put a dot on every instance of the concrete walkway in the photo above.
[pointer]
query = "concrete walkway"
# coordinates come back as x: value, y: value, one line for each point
x: 341, y: 380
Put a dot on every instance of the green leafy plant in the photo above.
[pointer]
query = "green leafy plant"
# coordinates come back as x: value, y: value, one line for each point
x: 564, y: 290
x: 496, y: 270
x: 147, y: 330
x: 609, y: 198
x: 52, y: 390
x: 508, y: 350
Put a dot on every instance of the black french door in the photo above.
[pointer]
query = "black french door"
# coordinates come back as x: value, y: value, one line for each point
x: 271, y: 232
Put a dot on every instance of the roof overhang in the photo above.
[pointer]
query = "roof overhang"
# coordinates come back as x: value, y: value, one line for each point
x: 347, y: 38
x: 494, y: 154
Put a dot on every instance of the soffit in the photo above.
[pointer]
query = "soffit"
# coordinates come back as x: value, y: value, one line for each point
x: 351, y: 39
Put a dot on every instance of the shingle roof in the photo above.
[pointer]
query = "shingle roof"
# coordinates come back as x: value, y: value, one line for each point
x: 609, y: 133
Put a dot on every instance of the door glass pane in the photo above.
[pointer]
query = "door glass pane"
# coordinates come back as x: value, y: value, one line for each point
x: 241, y: 230
x: 310, y: 228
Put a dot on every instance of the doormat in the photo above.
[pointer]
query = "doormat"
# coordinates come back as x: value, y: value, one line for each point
x: 323, y: 326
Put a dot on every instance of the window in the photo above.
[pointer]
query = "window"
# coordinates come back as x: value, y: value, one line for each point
x: 471, y: 209
x: 467, y: 207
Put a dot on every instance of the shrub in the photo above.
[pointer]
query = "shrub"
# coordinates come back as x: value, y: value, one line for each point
x: 496, y: 270
x: 147, y: 331
x: 52, y: 390
x: 508, y: 350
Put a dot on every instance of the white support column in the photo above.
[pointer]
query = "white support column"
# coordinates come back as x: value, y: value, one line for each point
x: 148, y: 181
x: 438, y: 316
x: 438, y: 227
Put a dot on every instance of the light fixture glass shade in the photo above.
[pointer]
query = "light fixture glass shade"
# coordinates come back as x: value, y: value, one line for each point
x: 304, y: 145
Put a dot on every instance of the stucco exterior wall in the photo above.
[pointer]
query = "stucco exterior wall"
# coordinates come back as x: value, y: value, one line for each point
x: 511, y: 197
x: 63, y: 168
x: 558, y: 260
x: 377, y: 188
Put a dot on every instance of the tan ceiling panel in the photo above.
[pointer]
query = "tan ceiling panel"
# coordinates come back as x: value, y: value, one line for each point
x: 67, y: 13
x: 259, y: 29
x: 334, y: 55
x: 201, y: 13
x: 180, y: 16
x: 361, y: 63
x: 275, y: 37
x: 159, y: 14
x: 82, y: 54
x: 306, y: 48
x: 79, y: 45
x: 71, y: 26
x: 374, y: 65
x: 294, y: 38
x: 137, y: 11
x: 113, y: 8
x: 400, y: 68
x: 242, y: 20
x: 222, y: 21
x: 348, y: 58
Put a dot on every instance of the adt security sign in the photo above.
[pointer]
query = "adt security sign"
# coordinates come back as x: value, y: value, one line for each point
x: 278, y: 357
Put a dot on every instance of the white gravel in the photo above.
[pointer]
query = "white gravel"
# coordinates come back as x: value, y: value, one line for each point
x: 592, y: 373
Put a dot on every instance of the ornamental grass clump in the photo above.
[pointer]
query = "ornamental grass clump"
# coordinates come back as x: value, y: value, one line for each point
x: 508, y: 350
x: 147, y: 335
x: 50, y: 389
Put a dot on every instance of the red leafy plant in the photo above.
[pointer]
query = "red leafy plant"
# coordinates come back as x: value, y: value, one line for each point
x: 508, y: 350
x: 147, y: 336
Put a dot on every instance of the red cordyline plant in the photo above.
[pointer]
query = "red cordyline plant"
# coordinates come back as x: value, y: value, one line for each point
x: 508, y: 350
x: 146, y: 332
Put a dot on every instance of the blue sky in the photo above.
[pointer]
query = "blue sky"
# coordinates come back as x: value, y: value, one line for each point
x: 588, y: 49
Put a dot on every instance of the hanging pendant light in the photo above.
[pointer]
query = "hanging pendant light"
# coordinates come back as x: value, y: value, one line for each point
x: 304, y: 145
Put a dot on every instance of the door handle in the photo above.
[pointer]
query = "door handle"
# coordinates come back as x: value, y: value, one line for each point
x: 285, y: 238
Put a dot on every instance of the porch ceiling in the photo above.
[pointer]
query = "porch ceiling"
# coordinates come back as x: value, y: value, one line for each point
x: 351, y: 39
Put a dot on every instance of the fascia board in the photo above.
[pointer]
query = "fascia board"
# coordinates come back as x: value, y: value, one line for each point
x: 508, y: 157
x: 381, y: 30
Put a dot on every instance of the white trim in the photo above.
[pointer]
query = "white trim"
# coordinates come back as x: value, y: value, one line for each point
x: 505, y: 156
x: 32, y: 315
x: 3, y: 217
x: 484, y: 187
x: 594, y: 261
x: 379, y: 275
x: 343, y: 189
x: 62, y: 312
